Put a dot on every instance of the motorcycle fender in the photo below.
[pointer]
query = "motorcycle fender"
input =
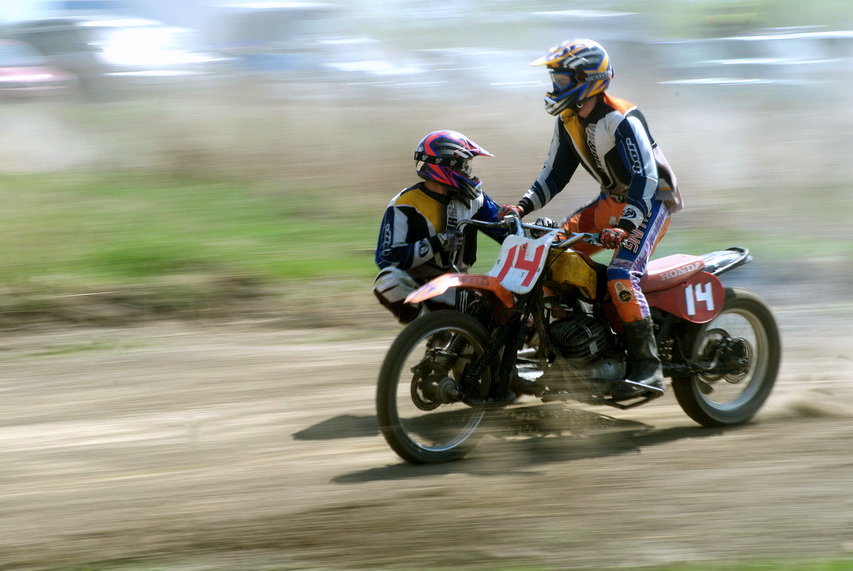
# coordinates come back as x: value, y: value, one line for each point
x: 698, y: 299
x: 444, y: 282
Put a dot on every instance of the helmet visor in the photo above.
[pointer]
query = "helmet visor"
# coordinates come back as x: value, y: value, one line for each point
x: 565, y: 81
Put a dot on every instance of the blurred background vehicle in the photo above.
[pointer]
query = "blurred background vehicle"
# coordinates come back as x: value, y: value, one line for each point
x: 298, y: 48
x: 273, y: 36
x: 26, y: 73
x: 108, y: 53
x: 793, y: 56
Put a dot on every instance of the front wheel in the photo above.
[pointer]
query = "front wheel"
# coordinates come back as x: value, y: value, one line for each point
x: 740, y: 350
x: 419, y: 400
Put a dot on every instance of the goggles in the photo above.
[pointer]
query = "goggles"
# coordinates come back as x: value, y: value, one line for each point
x: 456, y: 163
x: 563, y: 79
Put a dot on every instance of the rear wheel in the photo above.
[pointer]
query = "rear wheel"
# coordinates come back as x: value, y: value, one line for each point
x: 419, y: 398
x: 741, y: 350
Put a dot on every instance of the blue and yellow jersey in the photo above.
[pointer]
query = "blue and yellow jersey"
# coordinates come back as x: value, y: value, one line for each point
x: 615, y: 146
x: 408, y: 236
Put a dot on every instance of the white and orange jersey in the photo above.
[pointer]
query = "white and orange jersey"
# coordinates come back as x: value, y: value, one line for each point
x: 615, y: 146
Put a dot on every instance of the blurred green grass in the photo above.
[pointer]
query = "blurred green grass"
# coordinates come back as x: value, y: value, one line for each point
x: 142, y: 244
x: 69, y: 230
x: 169, y: 244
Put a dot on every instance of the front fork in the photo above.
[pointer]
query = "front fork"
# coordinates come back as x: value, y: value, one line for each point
x: 509, y: 336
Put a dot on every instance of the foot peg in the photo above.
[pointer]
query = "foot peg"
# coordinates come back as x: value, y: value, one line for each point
x: 645, y: 388
x: 628, y: 394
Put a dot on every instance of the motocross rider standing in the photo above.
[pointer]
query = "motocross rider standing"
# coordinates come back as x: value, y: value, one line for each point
x: 418, y: 238
x: 609, y: 137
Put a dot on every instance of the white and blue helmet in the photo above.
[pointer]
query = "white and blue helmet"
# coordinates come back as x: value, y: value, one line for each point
x: 579, y: 69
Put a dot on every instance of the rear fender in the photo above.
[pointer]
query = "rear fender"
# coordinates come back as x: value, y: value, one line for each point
x: 444, y: 282
x: 697, y: 299
x: 724, y: 260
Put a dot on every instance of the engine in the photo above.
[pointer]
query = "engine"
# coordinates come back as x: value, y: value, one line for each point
x: 579, y: 337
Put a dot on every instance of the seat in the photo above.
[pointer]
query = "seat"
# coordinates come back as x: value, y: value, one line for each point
x: 670, y: 270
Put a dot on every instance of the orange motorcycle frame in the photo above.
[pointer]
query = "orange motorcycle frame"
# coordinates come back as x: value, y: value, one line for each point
x: 697, y: 299
x: 486, y: 284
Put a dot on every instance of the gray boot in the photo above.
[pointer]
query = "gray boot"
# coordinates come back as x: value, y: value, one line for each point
x: 644, y: 366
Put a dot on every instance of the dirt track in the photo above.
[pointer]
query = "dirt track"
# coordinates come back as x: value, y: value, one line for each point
x: 240, y: 446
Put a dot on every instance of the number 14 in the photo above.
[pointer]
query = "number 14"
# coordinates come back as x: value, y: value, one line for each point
x: 694, y: 294
x: 516, y: 259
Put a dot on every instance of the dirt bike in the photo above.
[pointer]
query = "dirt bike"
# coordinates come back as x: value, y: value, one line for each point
x: 541, y: 323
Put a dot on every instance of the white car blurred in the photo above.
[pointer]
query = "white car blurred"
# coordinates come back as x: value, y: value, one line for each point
x: 26, y: 73
x: 111, y: 52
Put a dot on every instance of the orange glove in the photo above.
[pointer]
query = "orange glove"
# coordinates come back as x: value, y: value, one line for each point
x: 611, y: 238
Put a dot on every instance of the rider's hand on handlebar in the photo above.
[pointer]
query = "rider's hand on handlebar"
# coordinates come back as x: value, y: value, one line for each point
x: 547, y: 222
x: 446, y: 238
x: 509, y: 210
x: 543, y: 221
x: 611, y: 238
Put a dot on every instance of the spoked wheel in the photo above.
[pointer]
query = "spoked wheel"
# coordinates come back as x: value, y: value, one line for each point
x: 419, y: 400
x: 741, y: 350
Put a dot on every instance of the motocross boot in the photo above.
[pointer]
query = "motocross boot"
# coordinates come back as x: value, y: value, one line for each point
x: 644, y: 365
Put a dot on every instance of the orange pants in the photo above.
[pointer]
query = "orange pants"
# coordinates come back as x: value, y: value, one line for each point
x: 628, y: 264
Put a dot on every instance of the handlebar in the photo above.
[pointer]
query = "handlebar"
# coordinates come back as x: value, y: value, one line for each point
x: 520, y: 227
